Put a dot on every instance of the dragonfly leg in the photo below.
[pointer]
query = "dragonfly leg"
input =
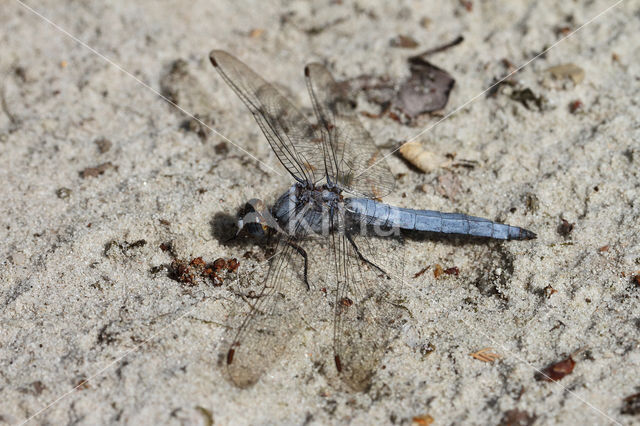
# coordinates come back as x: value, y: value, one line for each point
x: 303, y: 253
x: 364, y: 259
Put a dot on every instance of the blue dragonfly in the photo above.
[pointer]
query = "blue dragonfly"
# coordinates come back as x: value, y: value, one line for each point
x: 339, y: 248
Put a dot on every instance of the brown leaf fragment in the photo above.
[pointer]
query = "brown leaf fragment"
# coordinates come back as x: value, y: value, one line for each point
x: 574, y: 106
x: 454, y: 270
x: 557, y: 371
x: 631, y: 405
x: 421, y: 271
x: 404, y: 42
x: 219, y: 264
x: 604, y: 249
x: 181, y: 272
x: 197, y: 271
x: 437, y: 270
x: 82, y: 384
x: 96, y: 171
x: 346, y: 302
x: 423, y: 420
x: 232, y: 265
x: 197, y: 262
x: 517, y: 417
x: 485, y: 355
x: 549, y: 291
x: 426, y: 90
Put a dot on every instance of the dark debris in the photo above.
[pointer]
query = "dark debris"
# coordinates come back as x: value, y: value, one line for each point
x: 565, y: 228
x: 103, y: 144
x: 197, y: 270
x: 404, y: 42
x: 97, y: 170
x: 517, y: 417
x: 426, y: 90
x: 631, y: 405
x: 557, y: 371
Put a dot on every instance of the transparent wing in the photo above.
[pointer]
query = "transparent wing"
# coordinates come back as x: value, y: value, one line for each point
x: 295, y: 141
x: 352, y: 158
x: 368, y: 312
x: 272, y: 318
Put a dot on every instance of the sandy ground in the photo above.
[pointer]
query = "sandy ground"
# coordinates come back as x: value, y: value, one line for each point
x: 82, y: 297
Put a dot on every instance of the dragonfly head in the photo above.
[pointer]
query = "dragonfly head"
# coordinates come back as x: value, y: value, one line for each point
x: 255, y: 218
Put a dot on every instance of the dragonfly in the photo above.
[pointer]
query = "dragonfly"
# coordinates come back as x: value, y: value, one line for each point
x: 338, y: 249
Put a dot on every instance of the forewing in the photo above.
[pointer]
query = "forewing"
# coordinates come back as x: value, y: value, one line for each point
x: 352, y: 159
x: 368, y: 311
x: 297, y: 144
x: 271, y: 318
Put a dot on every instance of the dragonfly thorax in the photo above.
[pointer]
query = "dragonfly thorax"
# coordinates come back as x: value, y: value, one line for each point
x: 302, y: 211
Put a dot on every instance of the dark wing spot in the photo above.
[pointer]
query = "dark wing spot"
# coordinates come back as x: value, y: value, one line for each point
x: 213, y: 60
x: 338, y: 363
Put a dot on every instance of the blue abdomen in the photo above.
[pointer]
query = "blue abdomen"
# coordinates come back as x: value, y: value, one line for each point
x: 381, y: 214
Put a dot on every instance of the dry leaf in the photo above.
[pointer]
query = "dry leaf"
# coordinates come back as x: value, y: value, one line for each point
x: 426, y: 90
x: 557, y: 371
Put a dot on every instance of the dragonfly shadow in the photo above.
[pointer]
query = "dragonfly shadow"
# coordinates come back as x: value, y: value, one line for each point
x: 487, y: 256
x: 223, y: 228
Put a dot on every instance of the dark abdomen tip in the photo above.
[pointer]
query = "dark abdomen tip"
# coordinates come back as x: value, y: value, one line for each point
x: 525, y: 234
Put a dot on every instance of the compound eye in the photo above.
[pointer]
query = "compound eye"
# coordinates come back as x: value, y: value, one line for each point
x: 255, y: 229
